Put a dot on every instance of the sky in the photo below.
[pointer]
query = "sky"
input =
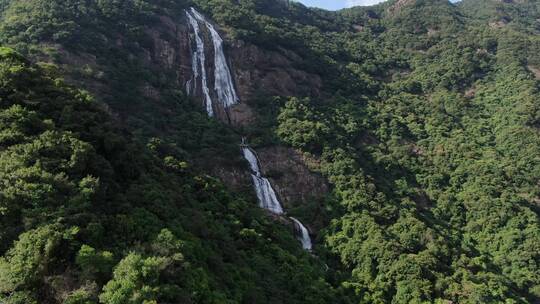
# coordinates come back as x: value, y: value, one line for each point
x: 338, y: 4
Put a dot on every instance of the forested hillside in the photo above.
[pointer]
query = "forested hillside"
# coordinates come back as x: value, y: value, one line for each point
x: 409, y: 130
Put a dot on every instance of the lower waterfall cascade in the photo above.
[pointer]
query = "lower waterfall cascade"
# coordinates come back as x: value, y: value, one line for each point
x: 267, y: 196
x: 265, y: 193
x: 303, y: 235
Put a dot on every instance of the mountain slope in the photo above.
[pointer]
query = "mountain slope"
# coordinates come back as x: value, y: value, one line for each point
x: 79, y: 197
x: 413, y: 123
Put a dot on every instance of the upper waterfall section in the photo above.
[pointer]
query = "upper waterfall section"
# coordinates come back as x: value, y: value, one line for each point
x: 223, y: 87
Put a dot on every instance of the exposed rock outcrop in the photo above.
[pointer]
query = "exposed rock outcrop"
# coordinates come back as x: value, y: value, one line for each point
x: 166, y: 53
x: 234, y: 177
x: 291, y: 177
x: 288, y: 172
x: 242, y: 115
x: 270, y: 72
x: 255, y: 71
x: 500, y: 23
x: 165, y: 41
x: 535, y: 71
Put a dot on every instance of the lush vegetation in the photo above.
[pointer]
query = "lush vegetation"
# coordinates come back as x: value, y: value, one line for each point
x: 437, y: 172
x: 87, y: 213
x: 426, y: 128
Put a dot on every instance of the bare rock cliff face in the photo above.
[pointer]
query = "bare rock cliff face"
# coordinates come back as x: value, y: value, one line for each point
x: 292, y: 179
x: 167, y: 44
x: 286, y: 168
x: 255, y: 71
x: 170, y: 48
x: 234, y: 177
x: 259, y: 71
x: 167, y: 53
x: 396, y: 7
x: 270, y: 72
x: 535, y: 71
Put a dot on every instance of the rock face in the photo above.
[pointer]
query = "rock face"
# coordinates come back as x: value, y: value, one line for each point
x: 271, y: 72
x: 170, y: 49
x: 292, y: 179
x: 166, y: 53
x: 258, y: 71
x: 168, y: 44
x: 234, y: 177
x: 254, y: 70
x: 501, y: 23
x: 242, y: 115
x: 535, y: 71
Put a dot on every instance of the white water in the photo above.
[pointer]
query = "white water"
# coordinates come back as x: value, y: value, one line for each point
x: 265, y: 193
x: 268, y: 198
x: 223, y: 82
x: 303, y: 234
x: 199, y: 64
x: 227, y: 96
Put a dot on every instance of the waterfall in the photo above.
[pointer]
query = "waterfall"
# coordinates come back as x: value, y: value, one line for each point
x: 199, y: 64
x: 265, y: 193
x: 226, y: 96
x: 223, y: 82
x: 267, y: 196
x: 303, y: 234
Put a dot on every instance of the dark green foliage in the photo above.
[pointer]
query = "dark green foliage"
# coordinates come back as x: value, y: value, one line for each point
x: 78, y: 197
x: 93, y: 263
x: 426, y: 128
x: 300, y: 127
x: 438, y: 177
x: 27, y: 261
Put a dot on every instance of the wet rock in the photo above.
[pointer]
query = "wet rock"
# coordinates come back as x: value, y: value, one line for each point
x: 293, y: 181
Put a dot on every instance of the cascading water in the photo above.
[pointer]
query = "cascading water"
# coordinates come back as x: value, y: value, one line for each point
x: 223, y: 82
x: 199, y: 65
x: 265, y: 193
x: 303, y: 234
x: 267, y: 196
x: 226, y: 96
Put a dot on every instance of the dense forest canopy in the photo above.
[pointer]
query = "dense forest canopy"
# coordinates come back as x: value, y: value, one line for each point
x: 426, y: 128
